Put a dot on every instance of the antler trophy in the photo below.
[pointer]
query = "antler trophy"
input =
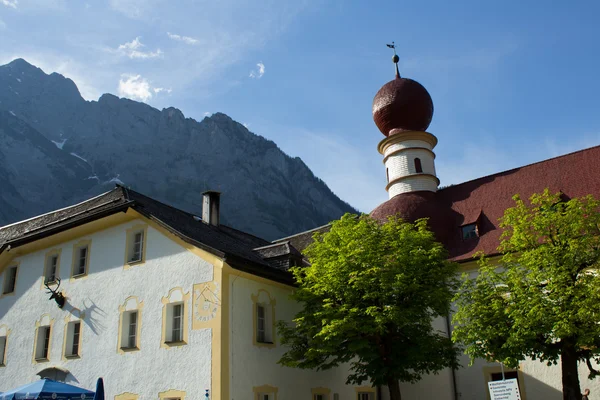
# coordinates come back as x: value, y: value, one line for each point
x: 56, y: 295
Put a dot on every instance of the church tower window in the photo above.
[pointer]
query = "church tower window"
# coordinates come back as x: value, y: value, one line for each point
x: 418, y: 167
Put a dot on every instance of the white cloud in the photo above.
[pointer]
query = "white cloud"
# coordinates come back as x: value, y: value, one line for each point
x: 259, y: 72
x: 134, y: 87
x: 10, y: 3
x: 184, y: 39
x: 134, y: 49
x: 2, y: 25
x: 159, y: 89
x: 207, y: 114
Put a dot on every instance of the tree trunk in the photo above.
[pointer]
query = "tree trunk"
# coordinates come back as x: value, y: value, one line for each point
x: 394, y: 387
x: 570, y: 376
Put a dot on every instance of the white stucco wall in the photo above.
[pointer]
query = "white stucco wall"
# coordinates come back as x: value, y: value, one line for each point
x: 256, y: 366
x: 146, y: 372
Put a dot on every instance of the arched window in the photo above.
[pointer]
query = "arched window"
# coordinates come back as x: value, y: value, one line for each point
x: 418, y: 167
x: 387, y: 174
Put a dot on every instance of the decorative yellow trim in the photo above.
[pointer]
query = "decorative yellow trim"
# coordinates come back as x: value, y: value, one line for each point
x: 366, y: 389
x: 172, y: 394
x: 265, y: 389
x: 127, y: 396
x: 38, y: 325
x: 50, y: 253
x: 496, y: 369
x: 122, y: 310
x: 16, y: 264
x: 271, y: 302
x: 76, y: 246
x: 129, y: 242
x: 320, y: 390
x: 71, y: 318
x: 6, y: 335
x: 166, y: 301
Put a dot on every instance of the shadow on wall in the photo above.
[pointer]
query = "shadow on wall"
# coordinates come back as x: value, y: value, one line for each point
x: 93, y: 316
x: 530, y: 387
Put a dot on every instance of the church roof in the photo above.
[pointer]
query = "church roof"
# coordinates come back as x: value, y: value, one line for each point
x: 482, y: 201
x: 236, y: 247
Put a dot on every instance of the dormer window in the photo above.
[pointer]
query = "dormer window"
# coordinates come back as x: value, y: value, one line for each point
x: 469, y: 231
x: 418, y: 167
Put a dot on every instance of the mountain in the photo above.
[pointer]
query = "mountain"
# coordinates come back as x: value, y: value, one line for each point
x: 57, y: 148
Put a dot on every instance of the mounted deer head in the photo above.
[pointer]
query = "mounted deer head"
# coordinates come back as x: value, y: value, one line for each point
x: 56, y: 295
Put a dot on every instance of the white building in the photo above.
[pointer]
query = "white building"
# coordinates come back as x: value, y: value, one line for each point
x: 158, y: 302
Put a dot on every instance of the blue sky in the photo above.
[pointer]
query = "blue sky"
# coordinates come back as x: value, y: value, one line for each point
x: 513, y: 82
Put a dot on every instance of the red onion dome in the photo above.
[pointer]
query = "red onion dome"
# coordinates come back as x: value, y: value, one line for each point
x: 402, y: 105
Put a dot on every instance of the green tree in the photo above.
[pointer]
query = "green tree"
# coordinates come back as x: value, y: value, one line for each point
x: 544, y: 300
x: 369, y: 298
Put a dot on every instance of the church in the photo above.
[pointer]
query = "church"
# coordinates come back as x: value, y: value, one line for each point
x: 165, y: 304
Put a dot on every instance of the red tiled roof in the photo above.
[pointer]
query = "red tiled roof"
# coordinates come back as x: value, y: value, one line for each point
x: 485, y: 199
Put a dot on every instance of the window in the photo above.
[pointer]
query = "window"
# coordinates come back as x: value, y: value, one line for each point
x: 418, y: 167
x: 260, y: 324
x: 73, y: 339
x: 10, y: 280
x: 175, y: 318
x: 494, y: 373
x: 265, y: 392
x: 320, y: 393
x: 42, y: 347
x: 130, y: 325
x: 131, y: 338
x: 387, y: 174
x: 135, y: 248
x: 82, y: 254
x: 175, y: 325
x: 469, y: 231
x: 264, y: 317
x: 2, y: 350
x: 51, y: 270
x: 81, y: 258
x: 366, y: 396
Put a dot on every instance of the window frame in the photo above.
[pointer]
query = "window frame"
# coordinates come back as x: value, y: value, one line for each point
x: 418, y: 165
x: 263, y: 299
x: 75, y: 265
x: 265, y: 390
x: 130, y: 305
x: 369, y: 390
x: 175, y: 297
x: 4, y: 334
x: 130, y: 242
x: 471, y: 234
x: 324, y: 392
x: 11, y: 267
x: 47, y: 257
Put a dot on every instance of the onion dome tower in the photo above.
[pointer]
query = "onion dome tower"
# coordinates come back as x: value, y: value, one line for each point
x: 402, y: 110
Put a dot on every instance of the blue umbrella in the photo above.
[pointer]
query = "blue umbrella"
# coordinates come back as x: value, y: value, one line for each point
x: 99, y: 390
x: 47, y: 389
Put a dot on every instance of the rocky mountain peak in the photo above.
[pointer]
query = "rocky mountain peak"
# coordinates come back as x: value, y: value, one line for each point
x: 160, y: 153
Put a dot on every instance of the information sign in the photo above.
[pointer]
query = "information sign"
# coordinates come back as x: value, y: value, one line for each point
x: 504, y: 390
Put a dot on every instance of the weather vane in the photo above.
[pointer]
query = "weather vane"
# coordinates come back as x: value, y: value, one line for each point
x: 395, y: 59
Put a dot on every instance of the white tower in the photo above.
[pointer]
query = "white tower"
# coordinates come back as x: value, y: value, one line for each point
x: 409, y: 162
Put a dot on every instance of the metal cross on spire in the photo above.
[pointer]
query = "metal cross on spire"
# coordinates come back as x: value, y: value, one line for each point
x: 395, y: 59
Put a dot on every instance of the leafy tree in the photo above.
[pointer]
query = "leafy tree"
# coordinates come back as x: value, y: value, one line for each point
x: 369, y: 298
x: 543, y: 302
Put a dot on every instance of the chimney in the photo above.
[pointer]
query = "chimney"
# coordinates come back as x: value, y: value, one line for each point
x: 210, y: 207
